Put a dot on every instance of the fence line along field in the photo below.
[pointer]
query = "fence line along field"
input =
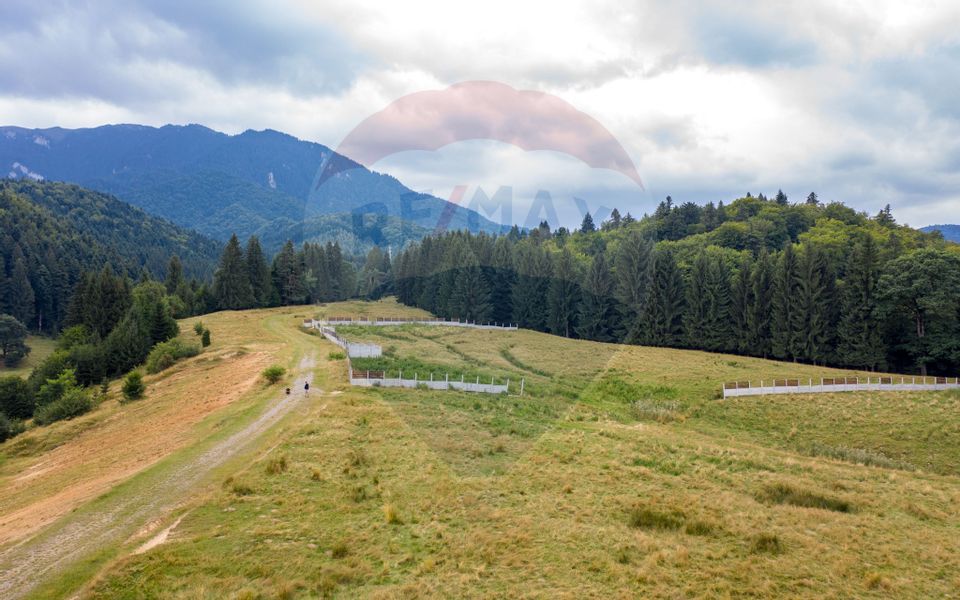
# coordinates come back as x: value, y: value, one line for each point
x: 622, y: 472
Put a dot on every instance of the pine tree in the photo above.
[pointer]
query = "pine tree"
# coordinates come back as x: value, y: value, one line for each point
x: 759, y: 340
x: 174, y: 275
x: 258, y: 273
x: 781, y: 198
x: 812, y: 199
x: 502, y: 280
x: 231, y: 286
x: 812, y: 307
x: 783, y: 337
x: 697, y: 307
x: 563, y: 295
x: 860, y: 340
x: 4, y: 286
x: 587, y: 225
x: 598, y: 311
x: 719, y: 334
x: 529, y: 293
x: 634, y: 271
x: 663, y: 313
x: 21, y: 299
x: 471, y: 295
x: 742, y: 301
x: 287, y: 276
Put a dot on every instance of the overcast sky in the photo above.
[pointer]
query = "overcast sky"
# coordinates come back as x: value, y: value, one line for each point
x: 858, y: 101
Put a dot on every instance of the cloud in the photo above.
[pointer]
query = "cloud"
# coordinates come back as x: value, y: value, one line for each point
x: 709, y: 99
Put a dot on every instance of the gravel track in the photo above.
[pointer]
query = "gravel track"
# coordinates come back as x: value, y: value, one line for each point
x: 56, y: 548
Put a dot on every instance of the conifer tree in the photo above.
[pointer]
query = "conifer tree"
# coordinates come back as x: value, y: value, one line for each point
x: 663, y: 313
x: 174, y: 275
x: 598, y: 312
x: 231, y: 286
x: 563, y: 295
x: 4, y: 286
x: 813, y: 306
x: 287, y: 274
x: 718, y: 330
x: 634, y: 271
x: 530, y: 290
x: 697, y: 307
x: 859, y: 332
x: 587, y: 225
x: 21, y: 298
x: 741, y: 303
x: 783, y: 338
x: 258, y: 273
x: 759, y: 340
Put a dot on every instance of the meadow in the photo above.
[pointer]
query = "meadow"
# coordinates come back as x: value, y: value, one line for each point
x: 619, y: 473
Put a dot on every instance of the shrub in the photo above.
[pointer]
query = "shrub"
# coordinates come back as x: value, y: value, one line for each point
x: 274, y: 373
x: 276, y: 465
x: 16, y: 398
x: 205, y: 338
x: 766, y: 543
x: 198, y: 328
x: 336, y: 356
x: 645, y: 518
x: 72, y: 404
x: 9, y: 427
x: 782, y: 493
x: 339, y: 550
x: 133, y: 386
x: 55, y: 388
x: 165, y: 354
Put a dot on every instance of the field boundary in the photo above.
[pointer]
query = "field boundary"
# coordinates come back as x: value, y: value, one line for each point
x: 828, y: 385
x: 364, y: 378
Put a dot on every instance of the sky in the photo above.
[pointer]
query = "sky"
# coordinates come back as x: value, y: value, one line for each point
x: 857, y: 101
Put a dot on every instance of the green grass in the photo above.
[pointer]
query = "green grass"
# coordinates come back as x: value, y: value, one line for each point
x: 619, y: 474
x: 40, y: 349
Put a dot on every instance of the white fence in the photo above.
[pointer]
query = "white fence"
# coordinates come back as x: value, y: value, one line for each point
x: 379, y: 378
x: 840, y: 384
x: 382, y: 321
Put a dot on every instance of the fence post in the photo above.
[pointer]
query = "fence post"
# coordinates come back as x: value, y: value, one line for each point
x: 522, y: 379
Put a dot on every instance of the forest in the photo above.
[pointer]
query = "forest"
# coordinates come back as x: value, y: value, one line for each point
x: 808, y: 282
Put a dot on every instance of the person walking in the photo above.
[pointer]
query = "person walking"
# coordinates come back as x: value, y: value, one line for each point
x: 306, y: 388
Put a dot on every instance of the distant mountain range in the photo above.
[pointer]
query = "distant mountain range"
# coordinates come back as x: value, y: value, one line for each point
x: 257, y: 182
x: 949, y: 232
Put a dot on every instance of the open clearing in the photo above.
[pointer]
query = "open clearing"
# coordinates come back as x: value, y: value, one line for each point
x: 40, y: 348
x: 619, y: 473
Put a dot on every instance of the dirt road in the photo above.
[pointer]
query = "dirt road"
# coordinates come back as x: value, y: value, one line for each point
x: 25, y: 565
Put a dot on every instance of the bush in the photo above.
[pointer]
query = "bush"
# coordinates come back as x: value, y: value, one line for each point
x: 9, y: 427
x: 16, y: 398
x: 57, y: 387
x: 782, y: 493
x: 276, y: 465
x: 165, y: 354
x: 336, y: 356
x: 73, y: 403
x: 205, y: 338
x: 133, y: 386
x: 274, y: 373
x: 198, y: 328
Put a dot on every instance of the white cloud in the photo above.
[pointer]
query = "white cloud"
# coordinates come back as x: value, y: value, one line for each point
x: 711, y: 100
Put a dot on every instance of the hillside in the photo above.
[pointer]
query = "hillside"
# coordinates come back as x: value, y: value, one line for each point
x: 53, y: 232
x: 218, y: 184
x: 618, y: 470
x: 949, y: 232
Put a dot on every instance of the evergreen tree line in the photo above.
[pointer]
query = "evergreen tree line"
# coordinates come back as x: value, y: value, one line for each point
x: 844, y: 289
x: 314, y: 273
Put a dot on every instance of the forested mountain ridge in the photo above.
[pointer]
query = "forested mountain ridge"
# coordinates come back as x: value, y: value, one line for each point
x: 218, y: 184
x: 53, y: 232
x: 949, y: 232
x: 806, y: 282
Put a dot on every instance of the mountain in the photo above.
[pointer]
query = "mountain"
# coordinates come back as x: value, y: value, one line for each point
x: 256, y: 182
x: 949, y: 232
x: 51, y: 232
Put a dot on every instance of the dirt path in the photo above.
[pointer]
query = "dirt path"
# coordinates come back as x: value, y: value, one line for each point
x: 25, y: 565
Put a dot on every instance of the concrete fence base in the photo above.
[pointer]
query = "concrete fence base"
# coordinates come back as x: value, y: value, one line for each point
x: 871, y: 384
x: 355, y: 350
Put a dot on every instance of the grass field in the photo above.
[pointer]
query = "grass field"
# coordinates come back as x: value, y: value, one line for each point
x: 619, y: 473
x: 40, y: 348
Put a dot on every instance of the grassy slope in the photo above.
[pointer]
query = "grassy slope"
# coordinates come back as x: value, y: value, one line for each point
x: 40, y: 348
x: 618, y: 474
